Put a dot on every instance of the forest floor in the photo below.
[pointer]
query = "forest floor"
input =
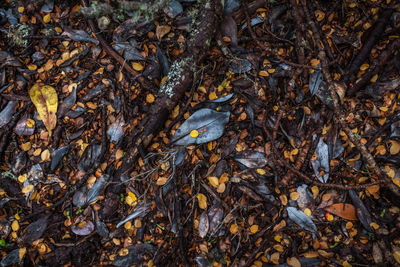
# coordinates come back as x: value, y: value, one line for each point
x: 184, y: 137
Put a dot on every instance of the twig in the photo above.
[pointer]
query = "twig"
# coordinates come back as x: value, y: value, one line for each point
x: 269, y: 49
x: 333, y: 87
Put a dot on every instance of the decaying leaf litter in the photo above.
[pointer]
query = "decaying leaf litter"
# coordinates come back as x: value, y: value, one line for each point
x: 255, y: 133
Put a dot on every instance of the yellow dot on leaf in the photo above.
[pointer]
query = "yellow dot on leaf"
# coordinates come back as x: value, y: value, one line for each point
x: 194, y: 133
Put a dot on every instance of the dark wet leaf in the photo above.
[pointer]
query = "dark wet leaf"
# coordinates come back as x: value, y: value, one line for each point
x: 115, y: 130
x: 362, y: 212
x: 97, y: 188
x: 5, y: 228
x: 204, y: 224
x: 337, y: 149
x: 90, y: 158
x: 3, y: 202
x: 3, y: 17
x: 301, y: 219
x: 207, y: 123
x: 395, y: 129
x: 79, y: 36
x: 80, y: 197
x: 163, y: 60
x: 20, y: 162
x: 102, y: 229
x: 173, y: 9
x: 140, y: 211
x: 136, y: 255
x: 94, y: 92
x: 202, y: 262
x: 250, y: 113
x: 7, y: 112
x: 8, y: 60
x: 11, y: 258
x: 180, y: 156
x: 22, y: 129
x: 315, y: 81
x: 35, y: 230
x: 86, y: 229
x: 48, y: 6
x: 215, y: 215
x: 229, y: 29
x: 67, y: 104
x: 254, y: 21
x: 221, y: 99
x: 251, y: 159
x: 240, y: 66
x: 130, y: 52
x: 322, y: 161
x: 57, y: 156
x: 76, y: 112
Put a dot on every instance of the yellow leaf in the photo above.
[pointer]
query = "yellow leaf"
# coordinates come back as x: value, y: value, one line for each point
x: 315, y: 191
x: 364, y: 66
x: 26, y: 146
x: 202, y: 201
x: 261, y: 171
x: 396, y: 256
x: 175, y: 112
x: 212, y: 96
x: 21, y: 253
x: 22, y: 178
x: 271, y: 70
x: 137, y: 66
x: 30, y: 123
x: 254, y: 229
x: 307, y: 211
x: 374, y: 78
x: 119, y: 154
x: 162, y: 30
x: 263, y: 73
x: 131, y: 199
x: 194, y: 133
x: 283, y: 199
x: 47, y: 18
x: 27, y: 188
x: 294, y: 196
x: 150, y: 98
x: 319, y: 14
x: 374, y: 225
x: 233, y: 229
x: 32, y: 67
x: 21, y: 9
x: 15, y: 226
x: 213, y: 181
x: 45, y: 100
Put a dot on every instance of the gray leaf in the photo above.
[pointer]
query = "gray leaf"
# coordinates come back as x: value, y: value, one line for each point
x: 87, y: 229
x: 204, y: 224
x: 301, y: 219
x: 7, y: 112
x: 96, y: 189
x: 322, y: 161
x: 115, y: 129
x: 315, y: 81
x: 139, y: 211
x: 251, y: 159
x: 209, y: 123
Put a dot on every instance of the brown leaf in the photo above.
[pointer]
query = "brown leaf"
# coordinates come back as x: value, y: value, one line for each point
x: 161, y: 31
x: 343, y: 210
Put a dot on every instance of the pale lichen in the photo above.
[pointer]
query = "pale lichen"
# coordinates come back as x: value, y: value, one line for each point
x: 175, y: 76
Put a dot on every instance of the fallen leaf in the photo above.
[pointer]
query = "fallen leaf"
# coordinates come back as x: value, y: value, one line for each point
x: 162, y: 30
x: 343, y: 210
x: 45, y: 100
x: 202, y: 201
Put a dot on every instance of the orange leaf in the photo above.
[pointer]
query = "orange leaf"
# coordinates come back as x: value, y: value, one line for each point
x: 343, y: 210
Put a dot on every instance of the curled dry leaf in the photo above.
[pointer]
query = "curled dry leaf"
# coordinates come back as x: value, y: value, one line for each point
x: 45, y: 100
